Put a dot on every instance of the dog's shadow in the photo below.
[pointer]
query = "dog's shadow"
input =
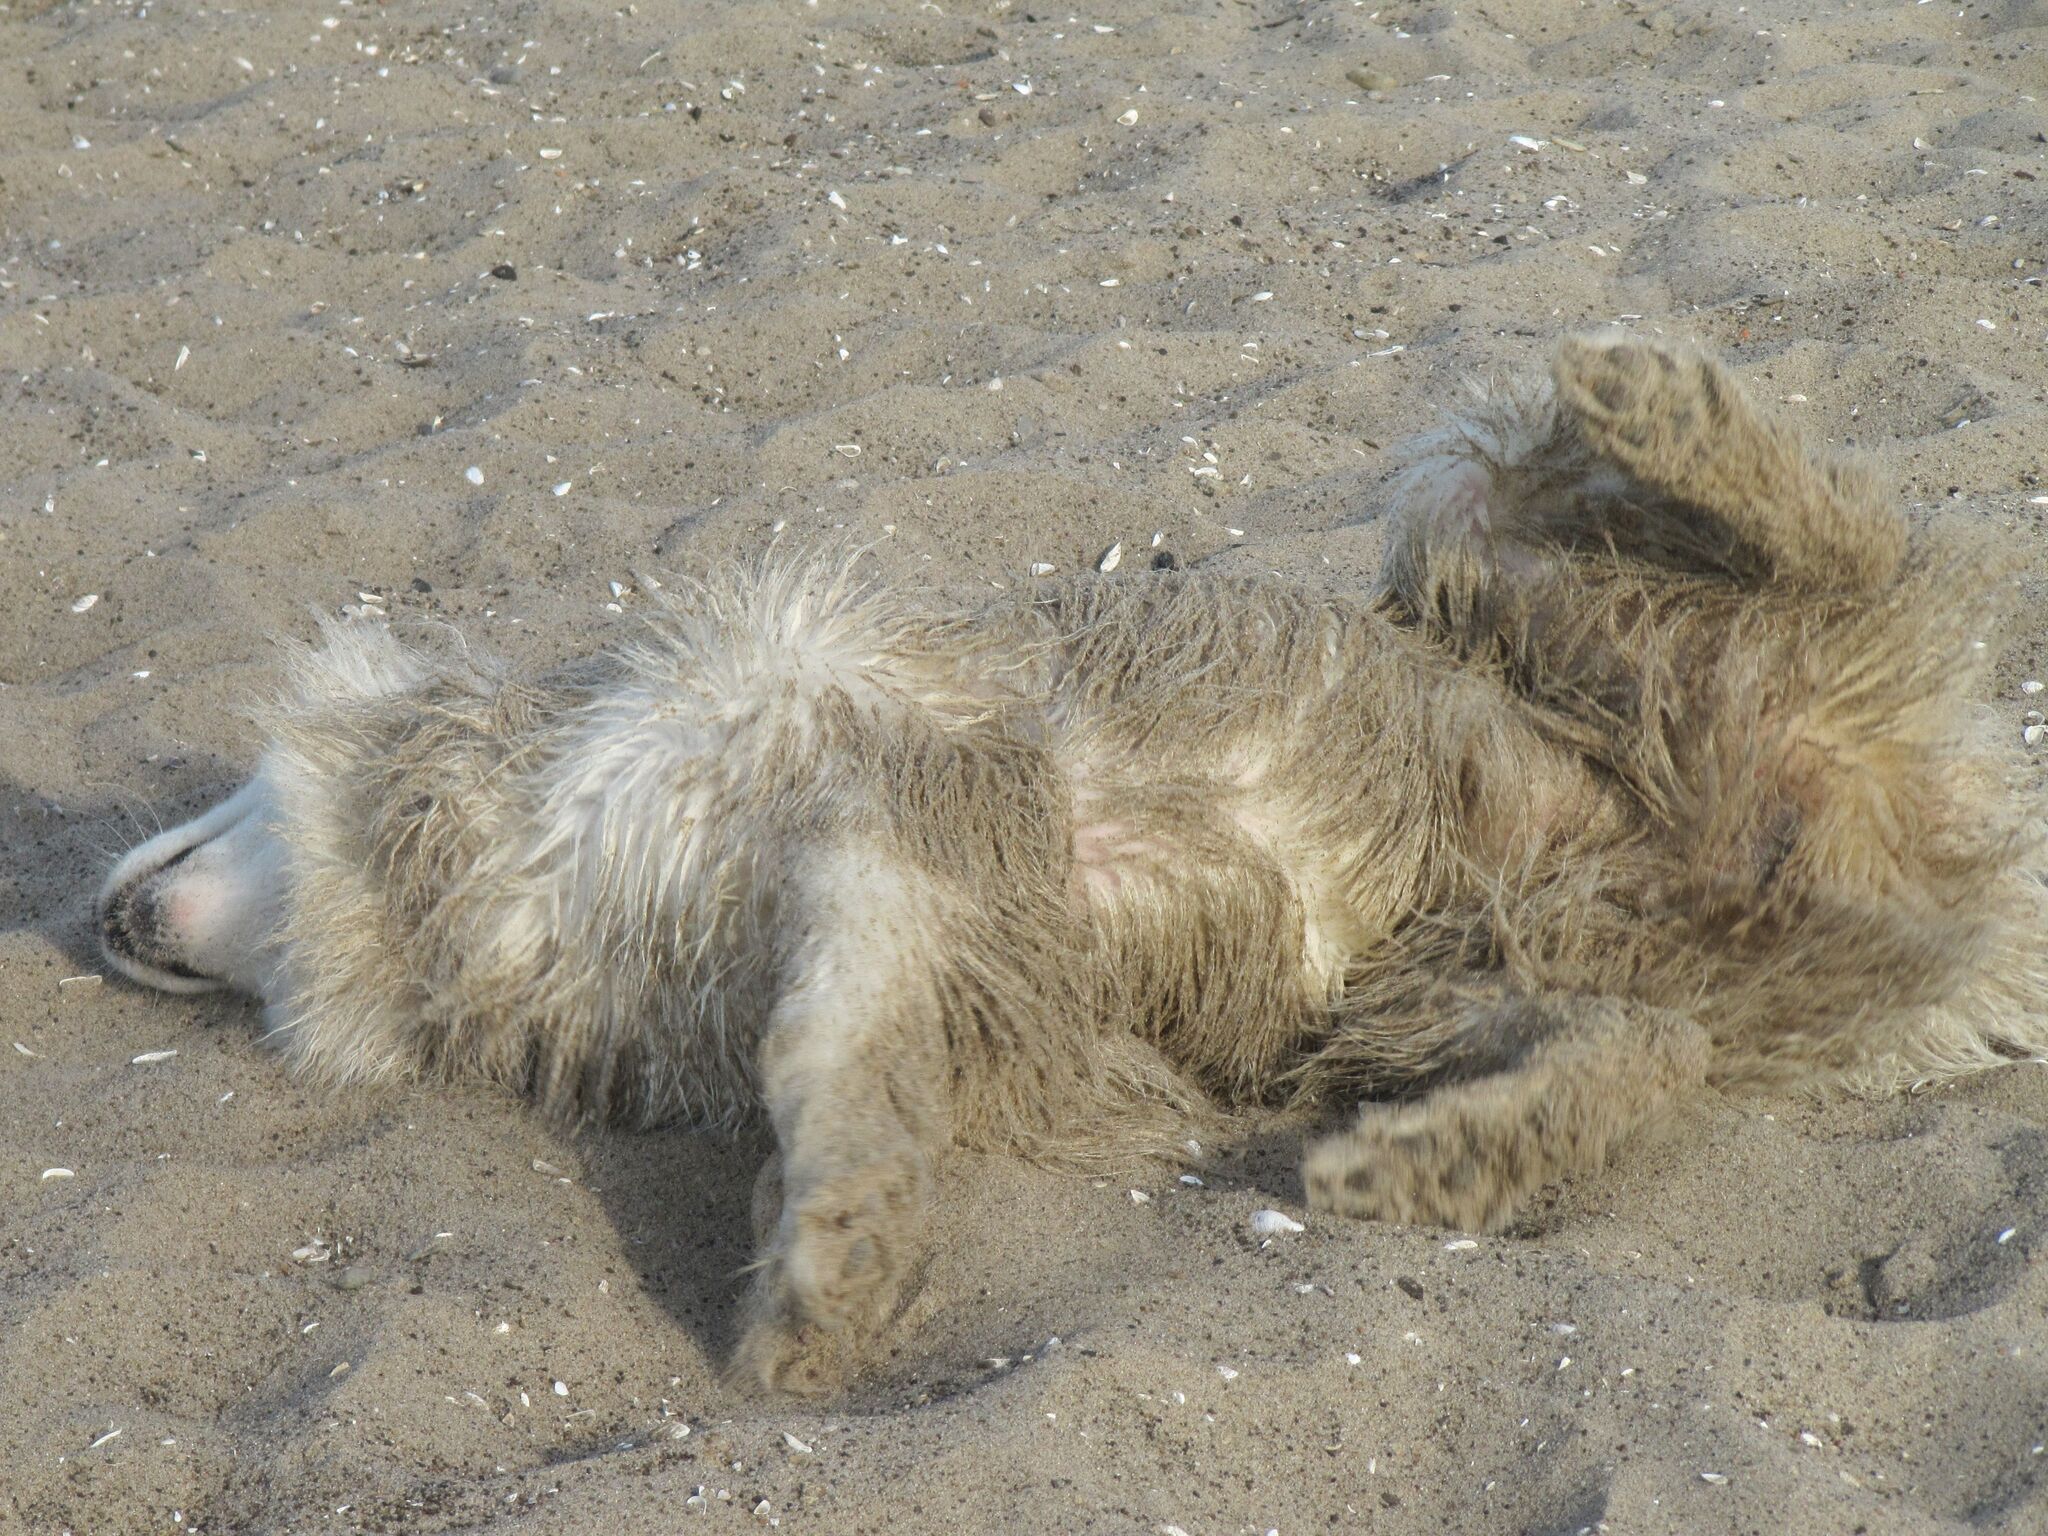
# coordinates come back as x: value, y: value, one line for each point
x: 1014, y: 1258
x: 681, y: 1202
x: 1011, y: 1256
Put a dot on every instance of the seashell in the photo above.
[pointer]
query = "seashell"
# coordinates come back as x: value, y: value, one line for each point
x: 1274, y: 1223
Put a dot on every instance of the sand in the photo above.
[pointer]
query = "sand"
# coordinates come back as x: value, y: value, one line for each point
x: 471, y: 317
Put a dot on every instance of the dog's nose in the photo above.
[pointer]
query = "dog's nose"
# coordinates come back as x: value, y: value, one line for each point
x: 127, y: 921
x: 112, y: 921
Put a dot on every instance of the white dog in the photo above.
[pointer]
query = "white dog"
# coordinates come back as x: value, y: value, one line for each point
x: 1646, y: 767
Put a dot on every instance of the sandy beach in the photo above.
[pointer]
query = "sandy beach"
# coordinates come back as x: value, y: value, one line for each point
x: 478, y: 316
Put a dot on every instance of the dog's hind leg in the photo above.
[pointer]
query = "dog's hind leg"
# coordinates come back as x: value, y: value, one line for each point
x: 1680, y: 425
x: 1641, y: 449
x: 853, y: 1071
x: 1575, y: 1074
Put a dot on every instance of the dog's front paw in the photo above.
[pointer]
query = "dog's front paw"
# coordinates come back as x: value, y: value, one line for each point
x: 833, y: 1271
x: 1413, y: 1166
x: 780, y: 1351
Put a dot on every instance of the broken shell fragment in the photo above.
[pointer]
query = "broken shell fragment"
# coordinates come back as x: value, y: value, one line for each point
x: 1274, y: 1223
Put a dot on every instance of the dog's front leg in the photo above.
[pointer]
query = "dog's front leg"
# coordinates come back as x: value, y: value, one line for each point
x: 854, y: 1074
x: 1573, y: 1075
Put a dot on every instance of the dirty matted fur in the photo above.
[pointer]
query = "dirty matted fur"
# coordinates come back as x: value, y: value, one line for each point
x: 1648, y: 766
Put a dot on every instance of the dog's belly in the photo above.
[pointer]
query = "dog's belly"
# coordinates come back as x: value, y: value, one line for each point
x: 1220, y: 935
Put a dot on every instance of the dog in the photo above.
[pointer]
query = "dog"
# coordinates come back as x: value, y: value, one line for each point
x: 1646, y: 765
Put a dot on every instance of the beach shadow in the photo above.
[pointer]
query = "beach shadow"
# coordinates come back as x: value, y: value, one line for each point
x: 681, y: 1203
x: 60, y: 851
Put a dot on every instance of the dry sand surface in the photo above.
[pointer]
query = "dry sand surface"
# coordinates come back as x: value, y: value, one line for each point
x: 473, y: 312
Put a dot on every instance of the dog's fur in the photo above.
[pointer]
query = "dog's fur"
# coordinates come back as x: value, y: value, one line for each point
x: 1648, y: 766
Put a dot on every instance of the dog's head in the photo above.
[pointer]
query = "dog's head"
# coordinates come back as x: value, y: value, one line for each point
x: 196, y: 908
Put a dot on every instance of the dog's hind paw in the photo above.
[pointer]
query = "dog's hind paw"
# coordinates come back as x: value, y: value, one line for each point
x: 1656, y: 409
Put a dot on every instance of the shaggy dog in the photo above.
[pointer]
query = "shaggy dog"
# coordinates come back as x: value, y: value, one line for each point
x: 1647, y: 767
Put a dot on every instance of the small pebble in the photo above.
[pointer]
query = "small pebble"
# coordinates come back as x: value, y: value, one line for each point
x: 473, y: 475
x: 505, y: 272
x: 353, y: 1278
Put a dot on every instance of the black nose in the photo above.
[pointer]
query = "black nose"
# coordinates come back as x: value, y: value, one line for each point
x: 127, y: 921
x: 128, y: 927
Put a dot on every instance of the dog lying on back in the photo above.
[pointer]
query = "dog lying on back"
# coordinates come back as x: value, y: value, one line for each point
x: 1647, y: 767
